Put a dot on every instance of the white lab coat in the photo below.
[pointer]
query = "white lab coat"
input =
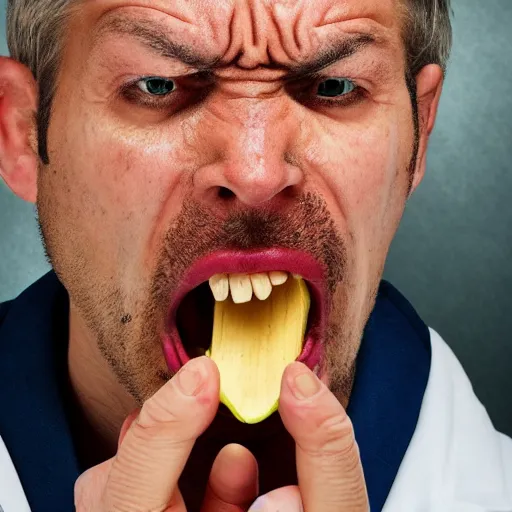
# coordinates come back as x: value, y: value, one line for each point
x: 456, y: 460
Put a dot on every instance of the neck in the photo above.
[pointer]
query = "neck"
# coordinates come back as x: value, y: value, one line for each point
x: 101, y: 403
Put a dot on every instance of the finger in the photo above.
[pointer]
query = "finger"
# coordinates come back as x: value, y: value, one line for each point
x: 329, y: 468
x: 157, y: 444
x: 233, y: 483
x: 285, y: 499
x: 87, y: 497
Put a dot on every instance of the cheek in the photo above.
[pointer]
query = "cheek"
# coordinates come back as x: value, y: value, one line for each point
x: 118, y: 180
x: 361, y: 167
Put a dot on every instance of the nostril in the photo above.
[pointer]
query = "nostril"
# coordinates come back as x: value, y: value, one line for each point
x: 225, y: 193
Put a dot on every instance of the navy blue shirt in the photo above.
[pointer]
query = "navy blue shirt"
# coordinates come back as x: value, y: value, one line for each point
x: 392, y: 369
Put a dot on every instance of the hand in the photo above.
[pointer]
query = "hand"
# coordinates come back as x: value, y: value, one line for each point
x: 330, y: 474
x: 154, y: 445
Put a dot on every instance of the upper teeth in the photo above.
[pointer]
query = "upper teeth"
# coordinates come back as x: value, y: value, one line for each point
x: 261, y: 285
x: 220, y: 286
x: 242, y: 286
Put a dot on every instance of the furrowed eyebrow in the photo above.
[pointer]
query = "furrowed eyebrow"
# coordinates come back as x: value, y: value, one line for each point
x: 334, y: 52
x: 157, y: 39
x: 154, y: 37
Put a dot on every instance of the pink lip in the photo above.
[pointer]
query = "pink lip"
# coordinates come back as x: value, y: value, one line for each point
x: 249, y: 262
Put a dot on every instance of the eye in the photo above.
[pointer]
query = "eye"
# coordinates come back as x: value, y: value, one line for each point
x: 156, y: 86
x: 334, y: 87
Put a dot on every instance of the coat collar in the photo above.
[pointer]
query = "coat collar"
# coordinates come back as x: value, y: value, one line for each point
x: 392, y: 371
x: 34, y: 395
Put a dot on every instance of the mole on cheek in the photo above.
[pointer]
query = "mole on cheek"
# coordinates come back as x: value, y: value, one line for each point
x: 126, y: 319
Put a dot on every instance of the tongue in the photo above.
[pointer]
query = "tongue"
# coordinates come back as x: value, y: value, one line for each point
x: 252, y: 343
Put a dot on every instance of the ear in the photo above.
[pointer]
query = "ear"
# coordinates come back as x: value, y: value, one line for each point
x: 18, y: 132
x: 429, y: 84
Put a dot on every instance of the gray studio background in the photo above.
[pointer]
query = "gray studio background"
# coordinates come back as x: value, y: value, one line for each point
x: 453, y: 252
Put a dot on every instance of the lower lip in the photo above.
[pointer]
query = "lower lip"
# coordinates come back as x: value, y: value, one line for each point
x: 294, y: 261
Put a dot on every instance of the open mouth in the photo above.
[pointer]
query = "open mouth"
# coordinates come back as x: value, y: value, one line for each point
x: 243, y: 277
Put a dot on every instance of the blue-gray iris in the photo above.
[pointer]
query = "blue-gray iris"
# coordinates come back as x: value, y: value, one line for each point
x: 335, y: 87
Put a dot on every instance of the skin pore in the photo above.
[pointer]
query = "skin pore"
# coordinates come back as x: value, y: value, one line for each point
x: 242, y: 154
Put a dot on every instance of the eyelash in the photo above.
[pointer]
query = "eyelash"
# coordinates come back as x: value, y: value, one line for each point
x: 132, y: 93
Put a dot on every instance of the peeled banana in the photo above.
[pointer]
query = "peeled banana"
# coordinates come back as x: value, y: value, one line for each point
x: 253, y: 342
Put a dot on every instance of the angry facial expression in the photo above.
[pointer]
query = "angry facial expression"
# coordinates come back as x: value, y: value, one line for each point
x: 190, y: 138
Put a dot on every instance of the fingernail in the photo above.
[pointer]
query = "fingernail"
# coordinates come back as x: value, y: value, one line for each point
x: 190, y: 378
x: 306, y: 385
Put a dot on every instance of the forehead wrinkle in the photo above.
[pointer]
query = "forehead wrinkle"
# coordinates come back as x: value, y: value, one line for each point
x: 157, y: 37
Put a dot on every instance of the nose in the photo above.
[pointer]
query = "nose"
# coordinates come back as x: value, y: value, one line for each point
x: 254, y: 147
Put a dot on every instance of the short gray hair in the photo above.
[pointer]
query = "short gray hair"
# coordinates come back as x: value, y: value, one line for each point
x: 35, y: 36
x: 427, y: 33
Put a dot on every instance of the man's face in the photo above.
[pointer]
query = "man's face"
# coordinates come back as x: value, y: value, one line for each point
x: 156, y: 163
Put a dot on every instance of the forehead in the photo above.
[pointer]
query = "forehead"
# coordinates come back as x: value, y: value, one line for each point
x: 222, y: 30
x: 315, y: 10
x: 327, y: 9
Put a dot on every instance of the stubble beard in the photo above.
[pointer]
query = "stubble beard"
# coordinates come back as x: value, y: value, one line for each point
x: 128, y: 325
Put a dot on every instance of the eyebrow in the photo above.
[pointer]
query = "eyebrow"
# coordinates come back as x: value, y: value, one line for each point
x: 336, y: 51
x: 156, y: 38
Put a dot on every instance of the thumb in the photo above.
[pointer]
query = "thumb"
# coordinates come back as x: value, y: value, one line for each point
x: 158, y: 441
x: 154, y: 446
x: 87, y: 497
x: 329, y: 467
x: 127, y: 423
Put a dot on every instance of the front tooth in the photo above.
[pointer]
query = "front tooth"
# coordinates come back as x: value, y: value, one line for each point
x: 278, y: 277
x: 261, y: 285
x: 241, y: 288
x: 219, y: 286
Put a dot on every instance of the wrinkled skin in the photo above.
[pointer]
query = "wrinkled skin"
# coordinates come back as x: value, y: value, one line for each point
x: 134, y: 193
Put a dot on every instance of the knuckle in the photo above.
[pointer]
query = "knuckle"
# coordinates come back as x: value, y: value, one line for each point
x: 334, y: 439
x: 79, y: 493
x: 86, y: 491
x: 158, y: 427
x: 155, y: 412
x: 337, y: 434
